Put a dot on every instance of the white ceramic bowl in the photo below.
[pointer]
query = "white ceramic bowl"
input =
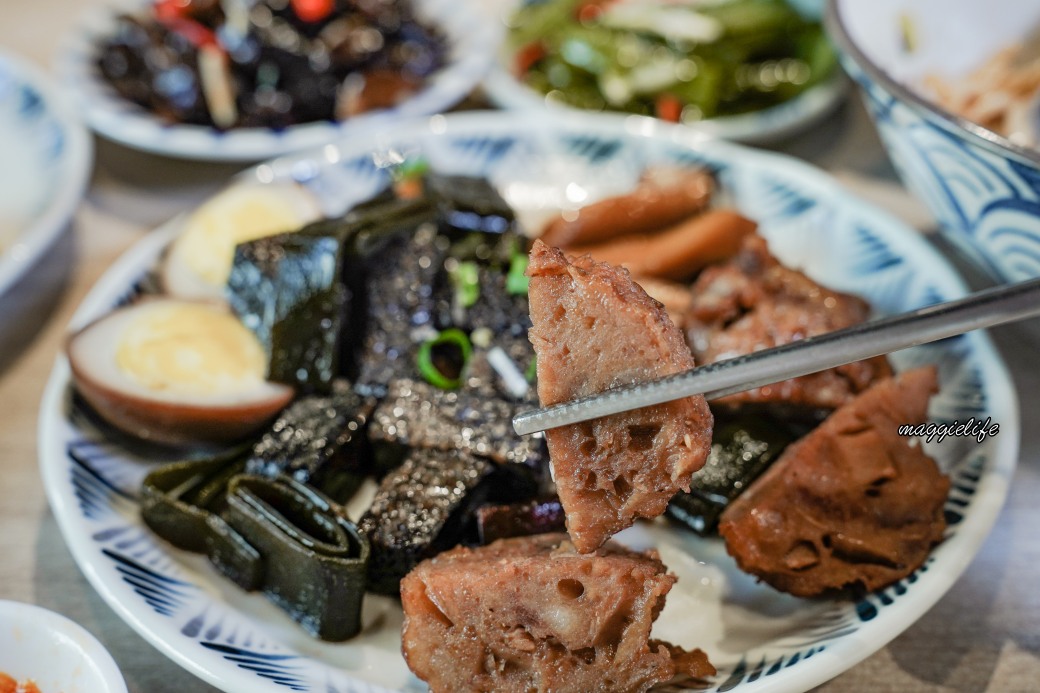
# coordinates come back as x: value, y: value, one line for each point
x: 983, y: 189
x: 57, y: 654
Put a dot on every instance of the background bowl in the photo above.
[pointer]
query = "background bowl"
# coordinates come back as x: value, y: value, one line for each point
x: 54, y: 652
x: 471, y: 34
x: 46, y: 157
x: 763, y: 126
x: 983, y: 189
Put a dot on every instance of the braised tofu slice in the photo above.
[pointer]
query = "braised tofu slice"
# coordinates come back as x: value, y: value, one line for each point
x: 594, y: 329
x: 533, y: 614
x: 852, y: 504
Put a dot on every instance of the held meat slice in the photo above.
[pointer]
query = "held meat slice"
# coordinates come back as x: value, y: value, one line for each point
x: 532, y: 614
x: 853, y: 504
x: 753, y: 302
x: 594, y: 329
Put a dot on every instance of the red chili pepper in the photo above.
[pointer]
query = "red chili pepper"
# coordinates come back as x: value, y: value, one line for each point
x: 170, y: 10
x: 313, y: 10
x: 668, y: 107
x: 589, y: 11
x: 198, y: 34
x: 527, y: 56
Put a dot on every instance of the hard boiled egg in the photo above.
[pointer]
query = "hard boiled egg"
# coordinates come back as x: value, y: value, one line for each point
x: 175, y: 372
x: 198, y: 262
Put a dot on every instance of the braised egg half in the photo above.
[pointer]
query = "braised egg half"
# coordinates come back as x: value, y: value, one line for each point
x: 199, y: 260
x: 175, y: 372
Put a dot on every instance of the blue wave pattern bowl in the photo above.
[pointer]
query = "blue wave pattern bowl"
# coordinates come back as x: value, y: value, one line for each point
x: 983, y: 189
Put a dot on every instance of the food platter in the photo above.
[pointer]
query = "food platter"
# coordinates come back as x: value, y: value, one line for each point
x: 472, y: 39
x: 46, y: 166
x: 758, y: 638
x: 762, y: 126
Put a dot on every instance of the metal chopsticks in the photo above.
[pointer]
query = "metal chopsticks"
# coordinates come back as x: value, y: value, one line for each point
x: 983, y: 309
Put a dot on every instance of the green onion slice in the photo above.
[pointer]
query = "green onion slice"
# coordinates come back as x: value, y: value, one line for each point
x: 516, y: 281
x: 466, y: 280
x: 426, y: 359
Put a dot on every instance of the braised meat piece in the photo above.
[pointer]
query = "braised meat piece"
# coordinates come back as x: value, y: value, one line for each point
x: 853, y: 504
x: 593, y: 329
x: 532, y: 614
x: 753, y: 302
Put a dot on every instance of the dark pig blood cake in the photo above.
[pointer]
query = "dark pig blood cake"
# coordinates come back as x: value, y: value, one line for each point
x: 532, y: 614
x: 753, y: 302
x: 851, y: 504
x: 594, y: 329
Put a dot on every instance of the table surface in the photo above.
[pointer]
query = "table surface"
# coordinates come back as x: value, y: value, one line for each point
x: 984, y: 635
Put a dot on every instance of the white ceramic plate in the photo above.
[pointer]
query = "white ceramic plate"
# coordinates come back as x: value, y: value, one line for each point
x: 759, y: 127
x: 472, y: 37
x: 759, y: 639
x: 55, y: 653
x: 45, y: 160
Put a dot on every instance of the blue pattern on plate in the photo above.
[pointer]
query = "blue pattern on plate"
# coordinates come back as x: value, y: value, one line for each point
x: 273, y: 667
x: 988, y: 205
x: 22, y: 103
x: 862, y: 255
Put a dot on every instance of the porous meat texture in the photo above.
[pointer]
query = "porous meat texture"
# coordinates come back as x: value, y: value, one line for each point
x: 753, y: 302
x: 851, y: 505
x: 532, y: 614
x: 595, y: 329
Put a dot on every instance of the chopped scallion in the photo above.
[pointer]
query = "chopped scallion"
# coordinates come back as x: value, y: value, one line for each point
x: 442, y: 360
x: 465, y: 278
x: 516, y: 281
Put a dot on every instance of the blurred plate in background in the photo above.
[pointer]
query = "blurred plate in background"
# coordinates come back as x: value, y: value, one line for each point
x: 472, y: 40
x: 580, y: 40
x: 54, y: 652
x: 44, y: 168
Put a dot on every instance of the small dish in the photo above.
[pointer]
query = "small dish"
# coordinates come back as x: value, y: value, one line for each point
x: 472, y: 38
x: 55, y: 653
x: 756, y: 127
x: 46, y: 163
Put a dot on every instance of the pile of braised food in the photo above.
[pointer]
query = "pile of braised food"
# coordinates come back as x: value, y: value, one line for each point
x: 392, y: 346
x: 680, y: 61
x: 271, y: 63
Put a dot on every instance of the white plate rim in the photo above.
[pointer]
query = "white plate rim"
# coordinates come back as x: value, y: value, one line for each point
x: 987, y: 500
x: 26, y: 247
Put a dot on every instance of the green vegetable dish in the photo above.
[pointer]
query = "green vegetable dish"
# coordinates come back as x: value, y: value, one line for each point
x: 680, y: 60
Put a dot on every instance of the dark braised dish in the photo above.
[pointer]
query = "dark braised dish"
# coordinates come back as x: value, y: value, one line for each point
x: 272, y: 63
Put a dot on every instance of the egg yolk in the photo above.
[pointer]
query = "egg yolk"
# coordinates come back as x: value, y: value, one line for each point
x: 190, y: 349
x: 237, y: 216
